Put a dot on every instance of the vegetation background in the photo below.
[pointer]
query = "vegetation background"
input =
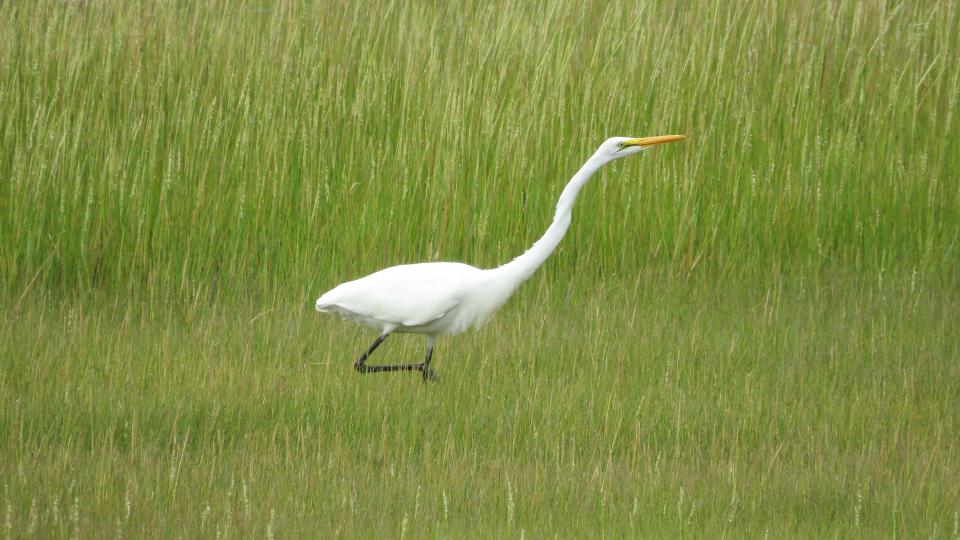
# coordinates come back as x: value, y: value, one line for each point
x: 750, y: 333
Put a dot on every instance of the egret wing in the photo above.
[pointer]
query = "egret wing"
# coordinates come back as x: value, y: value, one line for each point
x: 408, y: 295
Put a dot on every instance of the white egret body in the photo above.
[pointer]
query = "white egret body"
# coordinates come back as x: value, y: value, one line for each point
x: 445, y: 298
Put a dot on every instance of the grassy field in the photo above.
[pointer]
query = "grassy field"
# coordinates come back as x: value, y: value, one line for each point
x: 751, y: 333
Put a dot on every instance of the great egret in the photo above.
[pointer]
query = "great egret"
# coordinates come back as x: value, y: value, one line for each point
x: 446, y: 298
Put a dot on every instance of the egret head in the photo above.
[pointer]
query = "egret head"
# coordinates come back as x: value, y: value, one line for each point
x: 618, y: 147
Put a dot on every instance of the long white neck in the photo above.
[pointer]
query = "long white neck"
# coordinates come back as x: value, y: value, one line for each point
x: 520, y: 269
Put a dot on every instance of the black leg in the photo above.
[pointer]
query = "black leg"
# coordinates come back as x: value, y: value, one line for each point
x: 361, y: 363
x: 428, y: 374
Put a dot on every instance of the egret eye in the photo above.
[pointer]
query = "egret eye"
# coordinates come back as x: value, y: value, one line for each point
x: 621, y: 145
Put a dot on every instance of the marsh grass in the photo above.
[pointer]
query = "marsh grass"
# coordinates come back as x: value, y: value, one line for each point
x: 750, y: 333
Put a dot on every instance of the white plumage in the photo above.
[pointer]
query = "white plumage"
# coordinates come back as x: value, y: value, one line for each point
x: 406, y: 298
x: 446, y: 298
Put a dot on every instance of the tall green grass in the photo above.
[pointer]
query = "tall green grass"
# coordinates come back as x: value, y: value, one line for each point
x: 749, y: 333
x: 172, y: 147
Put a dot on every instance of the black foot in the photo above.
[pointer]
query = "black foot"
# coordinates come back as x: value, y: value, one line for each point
x: 424, y: 369
x: 429, y: 375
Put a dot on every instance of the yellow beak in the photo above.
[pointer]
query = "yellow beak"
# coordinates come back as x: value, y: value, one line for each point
x: 653, y: 141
